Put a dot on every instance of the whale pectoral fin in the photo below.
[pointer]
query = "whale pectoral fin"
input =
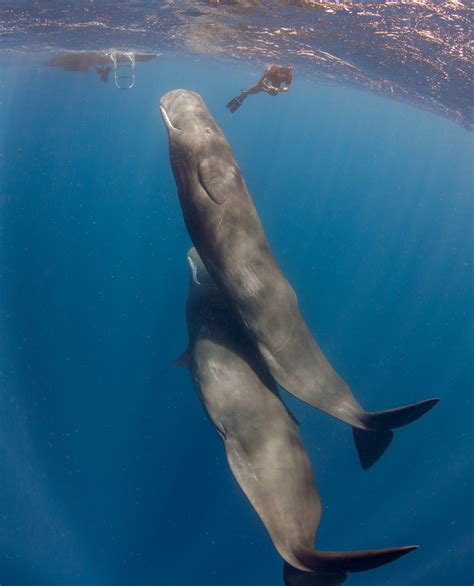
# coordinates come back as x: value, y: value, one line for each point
x: 183, y: 360
x: 218, y: 176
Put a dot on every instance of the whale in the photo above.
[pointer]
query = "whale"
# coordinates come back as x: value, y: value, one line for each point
x: 225, y: 229
x: 261, y: 437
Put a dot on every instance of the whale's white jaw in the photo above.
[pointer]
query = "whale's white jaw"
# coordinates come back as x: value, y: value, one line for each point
x: 194, y: 270
x: 166, y: 120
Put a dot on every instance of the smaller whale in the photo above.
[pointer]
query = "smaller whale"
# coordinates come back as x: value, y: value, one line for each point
x: 228, y: 235
x: 261, y: 438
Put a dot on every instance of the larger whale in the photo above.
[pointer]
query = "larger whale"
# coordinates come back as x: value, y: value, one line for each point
x: 225, y: 229
x: 261, y: 438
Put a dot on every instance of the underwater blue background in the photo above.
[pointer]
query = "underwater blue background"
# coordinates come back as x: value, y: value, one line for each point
x: 111, y: 473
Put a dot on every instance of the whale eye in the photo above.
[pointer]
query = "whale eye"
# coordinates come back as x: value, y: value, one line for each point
x: 218, y: 176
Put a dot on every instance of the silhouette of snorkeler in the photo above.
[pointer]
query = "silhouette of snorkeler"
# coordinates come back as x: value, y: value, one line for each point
x: 276, y: 79
x: 103, y: 73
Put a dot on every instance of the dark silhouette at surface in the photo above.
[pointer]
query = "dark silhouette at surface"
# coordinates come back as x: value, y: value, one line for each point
x: 82, y: 61
x: 275, y: 80
x: 103, y: 73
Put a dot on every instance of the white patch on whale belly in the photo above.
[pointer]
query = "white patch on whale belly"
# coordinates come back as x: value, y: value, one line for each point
x: 245, y: 467
x: 194, y: 270
x: 251, y: 282
x: 215, y: 370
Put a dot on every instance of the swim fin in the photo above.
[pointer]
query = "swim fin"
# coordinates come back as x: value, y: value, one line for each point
x: 234, y: 104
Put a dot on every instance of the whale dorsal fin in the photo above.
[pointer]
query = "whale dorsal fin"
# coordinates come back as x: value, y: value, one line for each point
x: 183, y: 360
x: 218, y: 176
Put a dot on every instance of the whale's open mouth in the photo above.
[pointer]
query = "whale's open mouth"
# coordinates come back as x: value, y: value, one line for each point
x: 166, y: 120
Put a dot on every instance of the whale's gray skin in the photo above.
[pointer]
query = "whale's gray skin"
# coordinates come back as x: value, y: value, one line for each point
x: 226, y: 231
x: 261, y: 438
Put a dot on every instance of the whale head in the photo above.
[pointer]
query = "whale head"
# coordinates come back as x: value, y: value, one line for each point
x: 183, y: 113
x: 191, y: 128
x: 201, y: 158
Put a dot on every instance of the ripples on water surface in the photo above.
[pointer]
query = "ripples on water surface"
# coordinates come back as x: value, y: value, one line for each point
x: 415, y: 50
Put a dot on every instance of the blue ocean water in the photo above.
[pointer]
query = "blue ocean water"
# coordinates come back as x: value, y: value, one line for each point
x: 111, y: 473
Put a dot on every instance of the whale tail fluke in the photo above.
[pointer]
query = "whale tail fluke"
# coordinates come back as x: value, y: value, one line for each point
x: 294, y: 577
x: 393, y: 418
x: 355, y: 561
x: 329, y: 568
x: 372, y: 443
